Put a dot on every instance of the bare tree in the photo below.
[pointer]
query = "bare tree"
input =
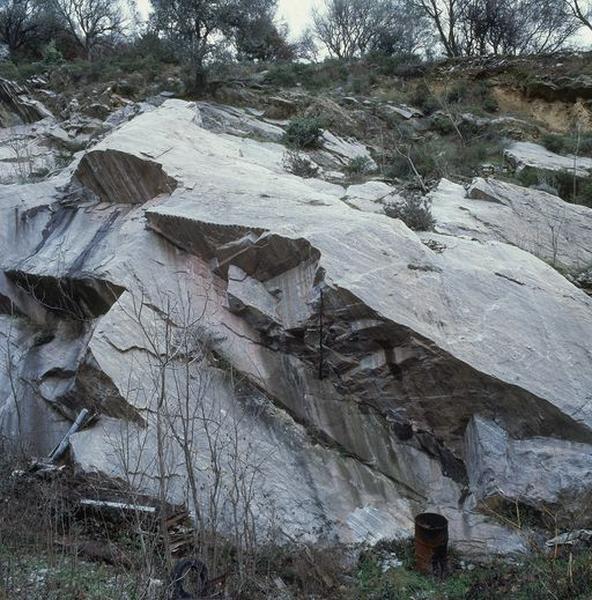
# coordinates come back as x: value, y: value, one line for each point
x: 515, y: 27
x: 580, y: 10
x: 307, y: 47
x: 348, y: 27
x: 481, y: 27
x: 20, y: 21
x: 404, y: 30
x: 446, y: 17
x: 91, y: 23
x: 191, y: 434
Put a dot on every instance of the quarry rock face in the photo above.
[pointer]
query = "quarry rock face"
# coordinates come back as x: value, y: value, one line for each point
x: 562, y: 483
x: 178, y: 282
x: 538, y: 222
x: 528, y: 155
x: 18, y: 102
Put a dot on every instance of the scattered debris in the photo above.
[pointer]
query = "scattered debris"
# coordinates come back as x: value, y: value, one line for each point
x: 570, y: 538
x: 61, y: 448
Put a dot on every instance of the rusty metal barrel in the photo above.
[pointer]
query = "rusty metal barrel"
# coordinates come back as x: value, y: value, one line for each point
x: 431, y: 543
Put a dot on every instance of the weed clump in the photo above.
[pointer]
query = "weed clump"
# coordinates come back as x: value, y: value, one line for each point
x: 300, y: 165
x: 359, y: 165
x: 415, y: 211
x: 303, y: 132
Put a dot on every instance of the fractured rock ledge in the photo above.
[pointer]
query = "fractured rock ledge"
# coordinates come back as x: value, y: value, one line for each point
x: 348, y: 353
x: 123, y: 178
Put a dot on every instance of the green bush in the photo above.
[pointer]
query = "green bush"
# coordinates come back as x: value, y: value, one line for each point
x: 283, y: 75
x: 360, y: 165
x: 8, y: 70
x: 445, y: 157
x: 459, y: 93
x: 399, y: 65
x: 303, y: 132
x: 568, y: 143
x: 442, y: 123
x: 311, y: 76
x: 490, y: 104
x: 361, y: 85
x: 422, y: 98
x: 576, y: 191
x: 52, y: 55
x: 554, y: 142
x: 414, y: 211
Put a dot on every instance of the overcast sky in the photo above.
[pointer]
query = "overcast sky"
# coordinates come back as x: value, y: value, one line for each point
x: 296, y: 13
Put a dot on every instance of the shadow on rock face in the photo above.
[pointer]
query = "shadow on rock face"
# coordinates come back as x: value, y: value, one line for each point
x: 77, y: 298
x: 119, y: 177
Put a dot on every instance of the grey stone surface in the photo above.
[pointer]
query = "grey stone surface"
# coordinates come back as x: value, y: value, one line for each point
x: 340, y: 355
x: 559, y: 488
x: 558, y: 232
x: 528, y: 155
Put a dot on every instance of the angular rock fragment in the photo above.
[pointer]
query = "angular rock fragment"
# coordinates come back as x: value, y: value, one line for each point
x: 558, y: 488
x: 117, y: 177
x: 558, y: 232
x: 76, y: 298
x: 16, y: 100
x: 528, y: 155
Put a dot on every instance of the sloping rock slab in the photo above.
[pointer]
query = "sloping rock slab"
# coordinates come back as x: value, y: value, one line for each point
x: 558, y: 232
x: 528, y: 155
x: 559, y: 487
x: 16, y: 100
x: 123, y: 178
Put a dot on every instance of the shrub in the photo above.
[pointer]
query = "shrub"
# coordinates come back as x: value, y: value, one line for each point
x: 563, y: 184
x: 490, y: 104
x: 398, y: 65
x: 52, y: 55
x: 567, y: 144
x: 422, y: 98
x: 311, y: 76
x: 554, y: 142
x: 300, y: 165
x: 458, y: 93
x: 283, y: 75
x: 358, y: 165
x: 415, y: 211
x: 303, y: 132
x: 361, y: 85
x: 442, y: 123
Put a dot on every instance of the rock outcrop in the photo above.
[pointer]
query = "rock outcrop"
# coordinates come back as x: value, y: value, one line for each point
x: 336, y: 356
x: 528, y: 155
x: 557, y: 232
x: 20, y: 105
x: 562, y: 483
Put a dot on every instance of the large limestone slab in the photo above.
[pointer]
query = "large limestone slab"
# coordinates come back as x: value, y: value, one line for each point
x: 558, y: 232
x: 528, y: 155
x: 349, y: 353
x: 559, y: 488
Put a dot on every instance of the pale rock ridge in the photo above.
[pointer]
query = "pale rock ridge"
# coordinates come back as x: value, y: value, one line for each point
x: 557, y: 232
x: 361, y: 351
x: 528, y: 155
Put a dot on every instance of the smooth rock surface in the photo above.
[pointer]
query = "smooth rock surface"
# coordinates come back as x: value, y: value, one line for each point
x: 555, y: 231
x: 559, y: 488
x: 337, y: 353
x: 528, y: 155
